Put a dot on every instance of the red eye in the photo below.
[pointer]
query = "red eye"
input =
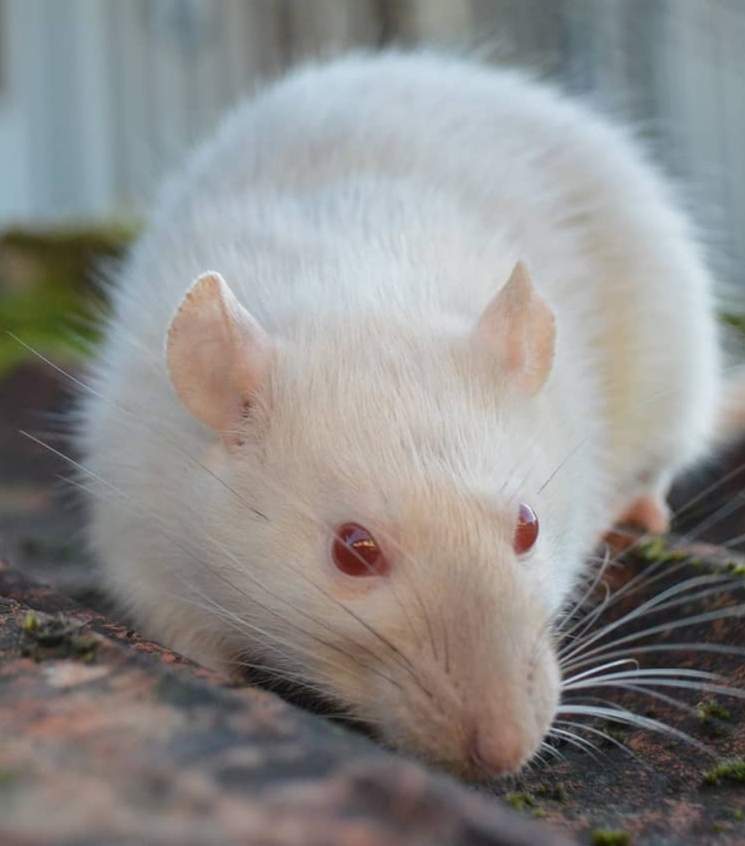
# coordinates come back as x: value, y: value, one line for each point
x: 356, y: 552
x: 526, y: 531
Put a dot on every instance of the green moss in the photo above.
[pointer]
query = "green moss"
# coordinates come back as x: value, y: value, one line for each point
x: 554, y: 792
x: 657, y: 551
x: 30, y: 623
x: 735, y: 568
x: 520, y: 801
x: 736, y: 321
x: 7, y: 778
x: 710, y: 709
x: 732, y: 770
x: 714, y: 718
x: 610, y: 837
x: 738, y: 814
x: 46, y: 283
x: 44, y: 637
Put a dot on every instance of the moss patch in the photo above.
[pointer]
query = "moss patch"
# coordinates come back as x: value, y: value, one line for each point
x: 520, y: 801
x: 711, y: 709
x: 45, y: 279
x: 554, y: 792
x: 657, y: 551
x: 713, y: 717
x: 610, y: 837
x: 44, y: 636
x: 730, y: 770
x: 734, y: 320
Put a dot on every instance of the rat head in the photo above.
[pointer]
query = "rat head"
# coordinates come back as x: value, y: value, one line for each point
x: 375, y: 491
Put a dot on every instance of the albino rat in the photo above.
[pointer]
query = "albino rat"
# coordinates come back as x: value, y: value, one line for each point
x: 437, y: 308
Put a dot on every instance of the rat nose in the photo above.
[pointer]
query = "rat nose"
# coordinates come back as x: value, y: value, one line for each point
x: 497, y: 752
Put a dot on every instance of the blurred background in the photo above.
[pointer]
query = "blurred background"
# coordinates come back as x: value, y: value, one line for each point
x: 98, y: 98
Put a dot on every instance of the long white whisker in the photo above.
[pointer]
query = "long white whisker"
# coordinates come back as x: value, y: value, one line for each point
x: 582, y: 600
x: 622, y: 715
x: 718, y: 648
x: 599, y: 669
x: 640, y: 672
x: 731, y: 611
x: 605, y: 736
x: 655, y: 604
x: 585, y: 745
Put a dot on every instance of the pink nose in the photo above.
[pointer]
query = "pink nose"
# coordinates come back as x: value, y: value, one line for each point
x: 497, y: 752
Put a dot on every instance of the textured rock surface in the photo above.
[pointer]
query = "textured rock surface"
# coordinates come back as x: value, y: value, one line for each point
x: 106, y: 738
x: 657, y: 790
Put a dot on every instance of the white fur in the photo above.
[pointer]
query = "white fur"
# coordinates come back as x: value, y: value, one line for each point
x: 365, y: 212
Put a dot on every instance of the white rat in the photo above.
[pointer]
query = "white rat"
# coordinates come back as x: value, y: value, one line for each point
x: 437, y: 308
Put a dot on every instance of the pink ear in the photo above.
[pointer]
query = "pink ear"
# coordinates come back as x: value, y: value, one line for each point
x: 217, y: 354
x: 517, y: 326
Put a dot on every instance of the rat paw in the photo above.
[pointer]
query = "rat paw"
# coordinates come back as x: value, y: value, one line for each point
x: 648, y: 514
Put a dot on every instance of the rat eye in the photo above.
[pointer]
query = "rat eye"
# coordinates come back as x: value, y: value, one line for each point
x: 526, y: 530
x: 356, y: 552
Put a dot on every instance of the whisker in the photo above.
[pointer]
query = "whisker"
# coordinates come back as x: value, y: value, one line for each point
x: 591, y: 672
x: 177, y: 542
x: 585, y: 745
x: 717, y: 648
x: 206, y: 469
x: 583, y: 680
x: 551, y: 750
x: 655, y: 604
x: 563, y: 463
x: 622, y: 715
x: 664, y: 682
x: 654, y: 573
x: 408, y: 665
x: 594, y: 582
x: 706, y: 617
x: 606, y: 737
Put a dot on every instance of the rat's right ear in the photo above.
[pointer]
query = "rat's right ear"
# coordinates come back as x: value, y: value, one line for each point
x: 517, y: 328
x: 217, y: 354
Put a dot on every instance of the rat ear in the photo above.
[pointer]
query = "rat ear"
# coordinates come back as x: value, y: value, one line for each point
x: 518, y: 327
x: 217, y: 354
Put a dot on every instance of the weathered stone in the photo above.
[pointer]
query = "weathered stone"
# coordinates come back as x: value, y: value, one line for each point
x: 129, y: 743
x: 661, y: 790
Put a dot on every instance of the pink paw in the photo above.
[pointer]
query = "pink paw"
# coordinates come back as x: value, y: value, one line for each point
x: 647, y: 514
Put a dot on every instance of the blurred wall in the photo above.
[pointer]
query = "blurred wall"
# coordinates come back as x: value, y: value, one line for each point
x: 98, y: 97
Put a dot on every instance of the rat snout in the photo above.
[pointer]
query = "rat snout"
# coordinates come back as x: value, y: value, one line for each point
x: 514, y: 713
x: 498, y: 750
x: 483, y: 703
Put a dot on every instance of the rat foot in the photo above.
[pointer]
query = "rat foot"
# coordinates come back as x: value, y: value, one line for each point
x: 648, y: 513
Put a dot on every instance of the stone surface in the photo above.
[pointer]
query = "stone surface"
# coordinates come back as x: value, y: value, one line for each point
x: 107, y: 738
x: 657, y: 788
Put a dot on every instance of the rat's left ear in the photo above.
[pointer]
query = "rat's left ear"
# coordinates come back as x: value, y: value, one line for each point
x: 217, y: 355
x: 517, y: 326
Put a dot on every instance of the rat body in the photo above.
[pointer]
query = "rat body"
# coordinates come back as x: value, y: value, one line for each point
x: 433, y: 301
